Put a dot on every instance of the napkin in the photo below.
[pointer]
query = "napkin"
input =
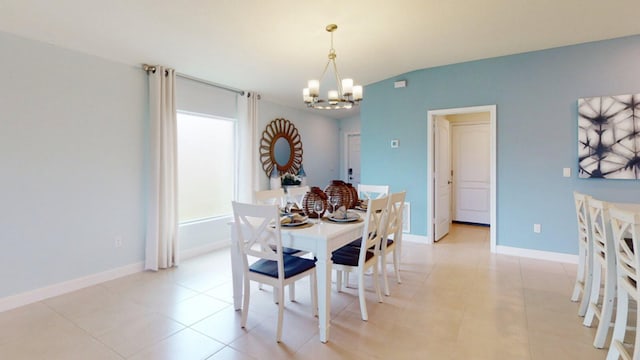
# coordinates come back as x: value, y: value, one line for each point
x: 291, y: 219
x: 341, y: 213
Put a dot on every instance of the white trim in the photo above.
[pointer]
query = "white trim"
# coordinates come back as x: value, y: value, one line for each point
x: 204, y: 249
x: 14, y: 301
x: 431, y: 114
x: 406, y: 218
x: 421, y: 239
x: 537, y: 254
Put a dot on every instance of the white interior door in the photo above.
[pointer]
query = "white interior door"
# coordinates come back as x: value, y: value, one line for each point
x: 471, y: 163
x: 353, y: 159
x: 442, y: 184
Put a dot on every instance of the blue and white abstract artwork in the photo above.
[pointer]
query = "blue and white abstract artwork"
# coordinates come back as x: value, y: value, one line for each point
x: 609, y: 137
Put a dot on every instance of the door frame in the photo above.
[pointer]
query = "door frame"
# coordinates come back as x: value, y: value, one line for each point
x: 345, y: 155
x: 431, y: 114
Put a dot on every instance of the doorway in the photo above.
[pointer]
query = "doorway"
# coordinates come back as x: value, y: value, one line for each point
x: 439, y: 182
x: 352, y: 158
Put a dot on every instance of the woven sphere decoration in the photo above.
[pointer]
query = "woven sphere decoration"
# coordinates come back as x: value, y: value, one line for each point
x: 310, y: 198
x: 354, y: 196
x: 339, y: 189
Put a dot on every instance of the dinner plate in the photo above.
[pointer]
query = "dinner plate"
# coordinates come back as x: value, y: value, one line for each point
x: 350, y: 217
x: 294, y: 224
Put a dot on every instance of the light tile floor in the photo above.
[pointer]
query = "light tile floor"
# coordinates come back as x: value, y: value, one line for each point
x: 456, y: 301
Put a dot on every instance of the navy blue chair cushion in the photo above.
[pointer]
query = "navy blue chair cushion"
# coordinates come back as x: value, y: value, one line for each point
x: 293, y: 265
x: 355, y: 243
x: 287, y: 250
x: 348, y: 255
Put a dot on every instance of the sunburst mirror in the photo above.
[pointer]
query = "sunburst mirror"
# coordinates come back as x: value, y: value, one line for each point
x: 281, y: 147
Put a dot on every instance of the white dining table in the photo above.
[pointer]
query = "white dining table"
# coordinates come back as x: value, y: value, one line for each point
x: 320, y: 239
x: 634, y: 207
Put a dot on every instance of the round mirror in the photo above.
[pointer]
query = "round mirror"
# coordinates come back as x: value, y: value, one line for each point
x: 282, y: 151
x: 281, y: 148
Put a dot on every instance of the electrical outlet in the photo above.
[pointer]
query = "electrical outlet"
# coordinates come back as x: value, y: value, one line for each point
x: 118, y: 241
x: 537, y: 228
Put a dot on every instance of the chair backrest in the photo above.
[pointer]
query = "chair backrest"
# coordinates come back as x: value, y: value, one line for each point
x: 270, y: 197
x: 258, y: 231
x: 603, y: 244
x: 395, y: 207
x: 625, y: 226
x: 374, y: 227
x: 296, y: 194
x: 582, y: 202
x: 372, y: 191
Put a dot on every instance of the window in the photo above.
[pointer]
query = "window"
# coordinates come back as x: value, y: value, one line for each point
x: 206, y: 166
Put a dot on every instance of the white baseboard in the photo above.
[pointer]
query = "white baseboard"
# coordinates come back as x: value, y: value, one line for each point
x: 537, y: 254
x: 14, y: 301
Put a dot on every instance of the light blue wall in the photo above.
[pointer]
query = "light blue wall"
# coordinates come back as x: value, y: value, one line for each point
x: 536, y: 96
x: 71, y: 161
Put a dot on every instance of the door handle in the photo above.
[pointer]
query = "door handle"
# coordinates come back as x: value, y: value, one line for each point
x: 449, y: 181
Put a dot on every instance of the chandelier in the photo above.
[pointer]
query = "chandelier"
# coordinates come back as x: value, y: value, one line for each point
x: 345, y: 97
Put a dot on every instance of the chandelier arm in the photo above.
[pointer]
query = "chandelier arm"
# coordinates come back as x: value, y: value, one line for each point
x: 335, y: 71
x: 326, y: 66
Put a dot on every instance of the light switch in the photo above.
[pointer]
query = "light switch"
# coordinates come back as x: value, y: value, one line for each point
x: 566, y: 172
x: 395, y: 143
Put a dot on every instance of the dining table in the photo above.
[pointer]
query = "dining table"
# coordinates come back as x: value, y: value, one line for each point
x: 320, y: 239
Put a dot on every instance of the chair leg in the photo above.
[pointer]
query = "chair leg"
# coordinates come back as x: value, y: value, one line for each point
x: 245, y: 303
x: 607, y: 309
x: 620, y: 326
x: 376, y: 283
x: 396, y: 263
x: 383, y: 266
x: 314, y: 293
x: 588, y: 281
x: 580, y: 274
x: 292, y: 292
x: 594, y: 297
x: 280, y: 314
x: 339, y: 280
x: 363, y: 304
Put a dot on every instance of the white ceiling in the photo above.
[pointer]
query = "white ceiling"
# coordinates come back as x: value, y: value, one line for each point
x: 275, y: 46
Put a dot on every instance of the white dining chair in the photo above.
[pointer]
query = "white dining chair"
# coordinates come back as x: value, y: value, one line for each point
x: 296, y: 194
x: 277, y: 197
x: 604, y: 262
x: 258, y: 229
x: 359, y: 259
x: 625, y: 226
x: 393, y: 244
x: 584, y: 274
x: 372, y: 191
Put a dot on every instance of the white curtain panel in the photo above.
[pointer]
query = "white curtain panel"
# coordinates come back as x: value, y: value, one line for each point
x: 162, y: 207
x: 248, y: 167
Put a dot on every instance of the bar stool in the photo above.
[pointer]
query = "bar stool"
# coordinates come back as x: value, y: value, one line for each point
x: 604, y: 260
x: 585, y: 247
x: 625, y: 226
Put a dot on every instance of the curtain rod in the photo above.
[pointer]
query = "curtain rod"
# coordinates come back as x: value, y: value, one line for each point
x: 147, y: 67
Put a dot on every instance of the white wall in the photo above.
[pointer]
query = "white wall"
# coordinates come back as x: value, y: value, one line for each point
x: 72, y: 149
x: 320, y: 142
x: 74, y: 154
